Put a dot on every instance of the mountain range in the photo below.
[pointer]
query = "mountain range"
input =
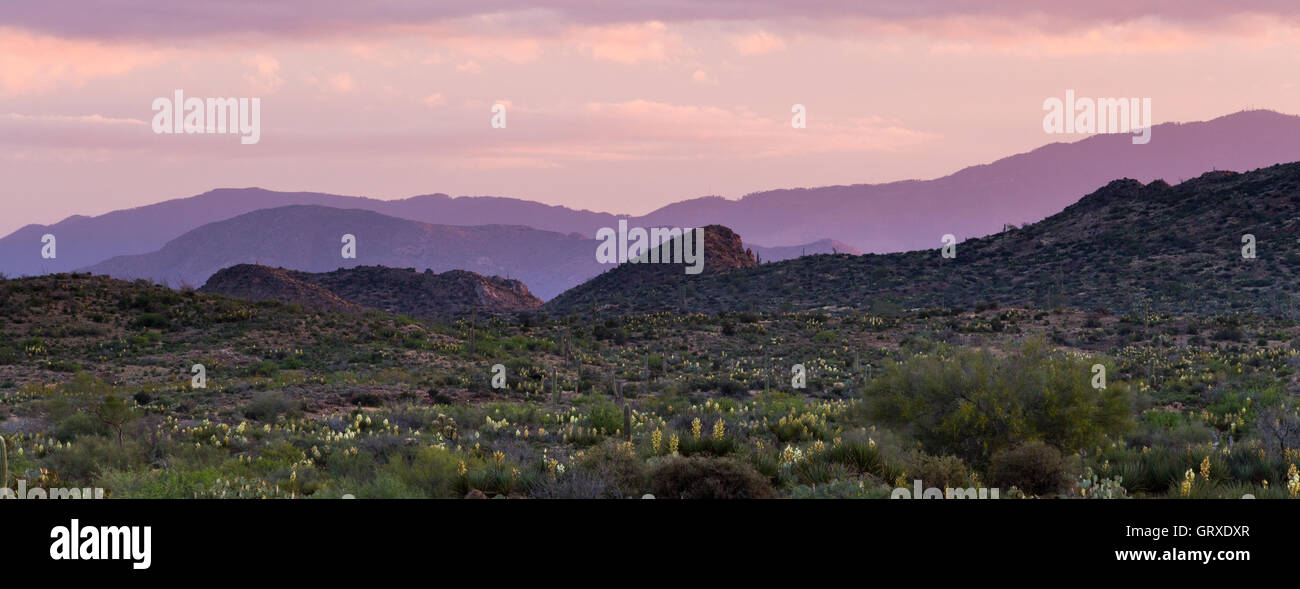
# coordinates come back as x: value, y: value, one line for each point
x: 185, y: 240
x: 310, y: 238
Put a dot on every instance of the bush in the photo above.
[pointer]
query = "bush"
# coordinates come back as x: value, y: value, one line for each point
x: 606, y: 417
x: 79, y: 424
x: 615, y: 463
x: 150, y: 321
x: 1034, y: 467
x: 266, y: 406
x: 709, y: 478
x: 938, y: 471
x: 973, y: 403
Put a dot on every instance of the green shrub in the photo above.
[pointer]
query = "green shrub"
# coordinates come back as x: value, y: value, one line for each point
x: 938, y: 471
x: 709, y: 478
x: 615, y: 461
x: 972, y: 403
x: 605, y: 416
x: 267, y: 406
x: 1034, y: 467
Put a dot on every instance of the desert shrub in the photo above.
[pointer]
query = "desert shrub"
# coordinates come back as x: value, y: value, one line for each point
x: 1034, y: 467
x: 816, y: 469
x: 938, y: 471
x: 846, y: 489
x: 615, y: 462
x: 709, y: 478
x: 432, y: 472
x: 266, y: 368
x: 80, y: 463
x: 1278, y: 428
x: 267, y: 406
x: 78, y: 424
x: 971, y: 403
x: 860, y: 455
x: 605, y: 416
x: 573, y: 484
x: 366, y: 399
x: 150, y: 321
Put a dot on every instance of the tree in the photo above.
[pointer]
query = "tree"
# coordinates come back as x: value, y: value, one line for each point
x: 115, y: 413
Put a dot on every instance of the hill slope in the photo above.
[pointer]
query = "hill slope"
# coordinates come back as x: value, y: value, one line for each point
x: 723, y: 253
x: 393, y: 290
x: 1128, y: 246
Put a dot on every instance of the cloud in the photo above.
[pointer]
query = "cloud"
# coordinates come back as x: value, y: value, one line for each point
x: 757, y: 43
x: 186, y: 20
x: 636, y: 130
x: 265, y: 78
x: 31, y: 64
x: 470, y: 67
x: 434, y: 100
x: 629, y: 43
x: 703, y: 77
x: 95, y: 119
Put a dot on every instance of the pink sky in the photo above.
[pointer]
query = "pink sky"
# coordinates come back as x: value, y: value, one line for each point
x: 619, y: 106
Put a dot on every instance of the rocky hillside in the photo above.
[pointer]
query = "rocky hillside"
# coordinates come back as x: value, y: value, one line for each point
x: 723, y: 252
x: 1126, y: 247
x: 393, y: 290
x: 263, y: 283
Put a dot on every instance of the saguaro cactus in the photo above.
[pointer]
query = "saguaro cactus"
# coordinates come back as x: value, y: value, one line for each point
x: 627, y: 421
x: 4, y: 463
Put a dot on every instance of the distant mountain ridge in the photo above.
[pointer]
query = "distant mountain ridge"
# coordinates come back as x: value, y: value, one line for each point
x: 790, y: 252
x: 392, y: 290
x: 897, y: 216
x: 309, y: 238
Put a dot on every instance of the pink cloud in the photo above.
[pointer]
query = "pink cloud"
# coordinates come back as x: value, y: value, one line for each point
x: 757, y: 43
x: 32, y: 63
x: 133, y: 19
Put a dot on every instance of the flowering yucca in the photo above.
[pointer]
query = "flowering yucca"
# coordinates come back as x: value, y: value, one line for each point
x: 695, y: 428
x: 719, y: 429
x: 672, y: 444
x: 1293, y: 481
x: 1186, y: 488
x: 1205, y: 468
x: 655, y: 439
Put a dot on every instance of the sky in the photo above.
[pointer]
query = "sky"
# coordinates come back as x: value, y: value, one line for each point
x: 620, y: 106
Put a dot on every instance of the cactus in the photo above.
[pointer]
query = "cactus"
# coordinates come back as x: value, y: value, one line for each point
x: 627, y: 421
x: 555, y: 386
x: 4, y: 463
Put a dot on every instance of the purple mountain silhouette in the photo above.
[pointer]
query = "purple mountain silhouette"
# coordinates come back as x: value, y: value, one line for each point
x: 309, y: 238
x: 978, y: 200
x: 876, y: 218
